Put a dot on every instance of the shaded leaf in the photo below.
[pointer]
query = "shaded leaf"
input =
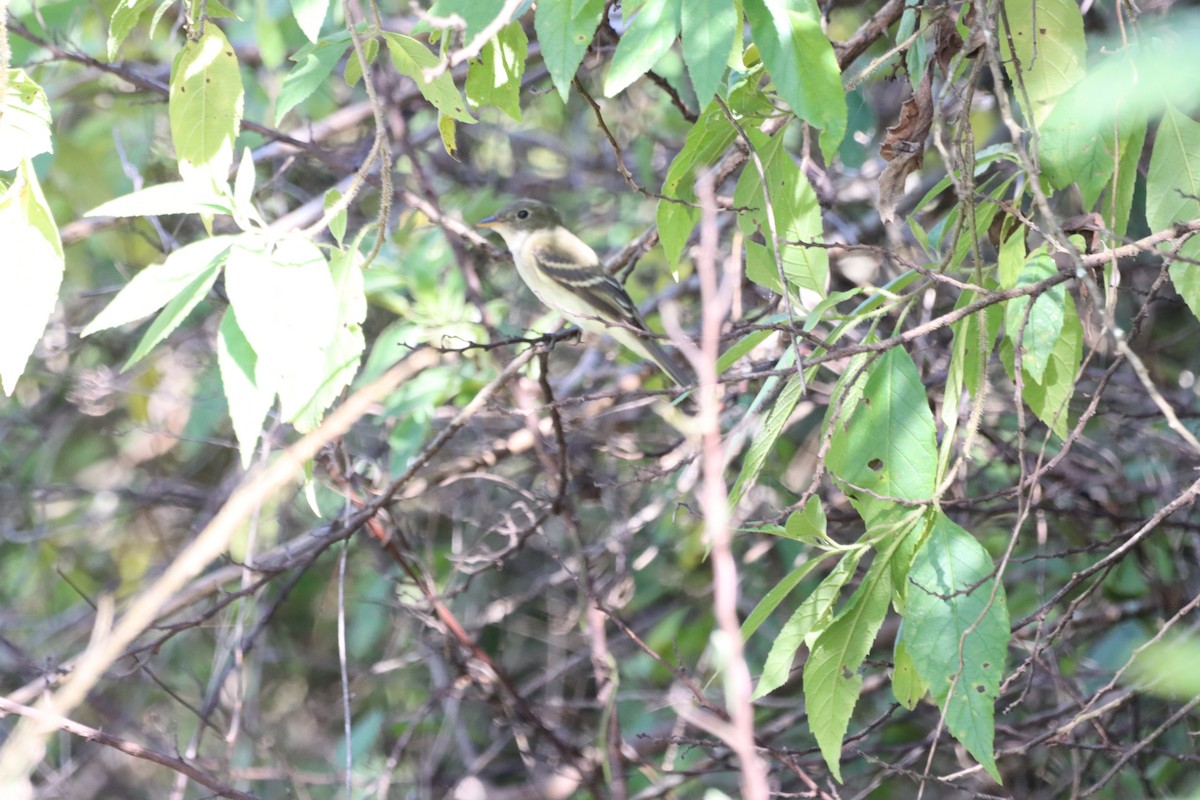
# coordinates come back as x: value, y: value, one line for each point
x: 885, y: 443
x: 957, y: 633
x: 1172, y: 189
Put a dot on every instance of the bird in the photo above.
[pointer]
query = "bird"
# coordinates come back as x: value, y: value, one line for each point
x: 566, y: 275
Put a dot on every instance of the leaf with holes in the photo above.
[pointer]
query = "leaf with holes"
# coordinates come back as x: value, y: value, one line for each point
x: 886, y: 446
x: 957, y: 633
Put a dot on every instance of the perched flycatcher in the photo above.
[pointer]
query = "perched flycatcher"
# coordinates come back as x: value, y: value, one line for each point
x: 567, y: 275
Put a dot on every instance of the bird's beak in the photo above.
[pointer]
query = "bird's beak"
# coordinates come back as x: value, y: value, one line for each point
x: 487, y: 222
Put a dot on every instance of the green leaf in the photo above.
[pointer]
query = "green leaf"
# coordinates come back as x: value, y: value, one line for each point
x: 24, y: 121
x: 797, y: 219
x: 287, y: 305
x: 1049, y: 398
x: 1045, y: 318
x: 158, y: 284
x: 205, y: 108
x: 495, y: 79
x: 124, y: 17
x: 1130, y: 140
x: 565, y: 29
x: 174, y: 313
x: 1076, y: 147
x: 709, y: 28
x: 412, y: 58
x: 907, y: 686
x: 1050, y: 52
x: 30, y: 272
x: 647, y: 39
x: 310, y: 15
x: 1012, y: 257
x: 1172, y: 186
x: 353, y: 71
x: 313, y: 67
x: 705, y: 143
x: 801, y: 61
x: 475, y: 14
x: 779, y: 593
x: 337, y: 224
x: 831, y: 679
x: 176, y: 197
x: 958, y: 634
x: 886, y: 445
x: 813, y: 614
x: 343, y: 352
x: 763, y: 443
x: 248, y: 400
x: 808, y: 524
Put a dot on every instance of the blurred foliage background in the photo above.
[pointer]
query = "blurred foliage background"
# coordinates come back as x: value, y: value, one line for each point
x: 509, y: 634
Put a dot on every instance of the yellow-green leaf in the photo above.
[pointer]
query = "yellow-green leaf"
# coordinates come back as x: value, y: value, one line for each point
x: 205, y: 107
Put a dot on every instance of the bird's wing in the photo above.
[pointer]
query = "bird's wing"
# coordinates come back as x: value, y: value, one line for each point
x: 576, y: 269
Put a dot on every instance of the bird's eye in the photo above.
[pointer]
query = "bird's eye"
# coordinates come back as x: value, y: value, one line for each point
x: 523, y: 214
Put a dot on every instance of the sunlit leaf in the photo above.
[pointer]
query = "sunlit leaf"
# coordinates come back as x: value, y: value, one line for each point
x: 205, y: 107
x: 30, y: 271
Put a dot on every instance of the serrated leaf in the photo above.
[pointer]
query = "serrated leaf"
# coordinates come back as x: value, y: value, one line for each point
x: 950, y: 604
x: 797, y: 219
x: 174, y: 313
x: 123, y: 18
x: 176, y: 197
x: 647, y: 39
x: 248, y: 401
x: 158, y: 284
x: 24, y: 121
x: 779, y: 593
x: 31, y: 272
x: 1045, y: 317
x: 707, y: 140
x: 708, y: 29
x: 807, y: 524
x: 1172, y: 186
x: 495, y: 79
x: 1050, y: 52
x: 412, y: 58
x: 564, y: 30
x: 813, y: 614
x: 1049, y: 399
x: 311, y: 71
x: 831, y: 678
x: 205, y: 108
x: 887, y: 444
x: 801, y: 62
x: 310, y: 16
